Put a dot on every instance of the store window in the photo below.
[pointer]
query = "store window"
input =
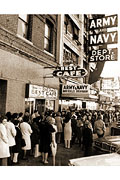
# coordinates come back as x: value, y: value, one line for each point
x: 23, y: 23
x: 69, y: 57
x: 40, y: 105
x: 48, y: 39
x: 29, y: 105
x: 50, y: 104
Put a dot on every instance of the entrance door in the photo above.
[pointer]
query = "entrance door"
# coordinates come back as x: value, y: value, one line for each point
x: 40, y: 105
x: 3, y: 93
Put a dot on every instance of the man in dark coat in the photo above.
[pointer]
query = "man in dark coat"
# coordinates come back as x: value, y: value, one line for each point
x: 74, y: 126
x: 18, y: 141
x: 45, y: 138
x: 87, y: 139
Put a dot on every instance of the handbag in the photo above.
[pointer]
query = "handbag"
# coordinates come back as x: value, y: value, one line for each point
x: 23, y: 144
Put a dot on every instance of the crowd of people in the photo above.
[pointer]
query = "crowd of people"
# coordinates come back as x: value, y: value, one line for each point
x: 22, y: 135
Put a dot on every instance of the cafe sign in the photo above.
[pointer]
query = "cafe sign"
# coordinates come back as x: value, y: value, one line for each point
x: 70, y: 71
x: 35, y: 91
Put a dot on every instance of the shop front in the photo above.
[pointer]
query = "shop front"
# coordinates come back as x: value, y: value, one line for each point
x: 105, y: 101
x: 40, y: 98
x: 77, y: 96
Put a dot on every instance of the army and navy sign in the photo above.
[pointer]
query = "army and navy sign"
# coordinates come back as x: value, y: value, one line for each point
x: 100, y: 37
x: 105, y: 54
x: 73, y: 90
x: 104, y: 22
x: 103, y: 38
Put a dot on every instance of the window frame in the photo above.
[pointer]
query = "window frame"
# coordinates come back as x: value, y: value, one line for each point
x: 49, y: 38
x: 26, y: 25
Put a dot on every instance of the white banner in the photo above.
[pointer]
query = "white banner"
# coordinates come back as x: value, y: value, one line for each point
x: 42, y: 92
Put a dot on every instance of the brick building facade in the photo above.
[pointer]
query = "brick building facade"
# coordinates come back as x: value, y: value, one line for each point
x: 24, y: 60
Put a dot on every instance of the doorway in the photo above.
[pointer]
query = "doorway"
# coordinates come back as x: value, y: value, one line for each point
x: 3, y: 94
x: 40, y: 105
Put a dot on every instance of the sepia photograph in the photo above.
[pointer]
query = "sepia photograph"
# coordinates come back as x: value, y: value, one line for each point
x: 59, y: 89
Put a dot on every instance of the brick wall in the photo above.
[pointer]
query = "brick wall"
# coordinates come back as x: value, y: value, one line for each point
x: 10, y: 22
x: 38, y: 32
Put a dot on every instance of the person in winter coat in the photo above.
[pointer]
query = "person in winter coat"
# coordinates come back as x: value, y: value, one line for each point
x: 59, y: 121
x: 79, y: 130
x: 4, y: 147
x: 99, y: 127
x: 87, y: 138
x: 26, y: 133
x: 35, y: 136
x: 46, y: 130
x: 11, y: 133
x: 18, y: 140
x: 74, y: 126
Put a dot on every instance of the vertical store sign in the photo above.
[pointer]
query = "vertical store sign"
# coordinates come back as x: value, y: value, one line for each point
x: 103, y: 37
x: 102, y: 32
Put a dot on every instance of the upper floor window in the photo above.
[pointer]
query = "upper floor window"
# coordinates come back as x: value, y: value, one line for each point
x: 69, y: 57
x: 48, y: 38
x: 70, y: 28
x: 85, y: 22
x: 23, y: 25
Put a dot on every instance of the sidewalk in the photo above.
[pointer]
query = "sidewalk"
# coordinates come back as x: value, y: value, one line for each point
x: 63, y: 155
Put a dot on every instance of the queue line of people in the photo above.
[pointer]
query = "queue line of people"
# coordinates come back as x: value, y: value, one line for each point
x: 40, y: 134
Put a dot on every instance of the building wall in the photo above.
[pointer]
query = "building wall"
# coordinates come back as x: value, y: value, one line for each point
x: 38, y: 31
x: 9, y: 21
x: 22, y: 61
x: 18, y: 71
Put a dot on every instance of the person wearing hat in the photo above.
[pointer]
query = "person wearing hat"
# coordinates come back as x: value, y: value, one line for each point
x: 99, y: 127
x: 87, y: 138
